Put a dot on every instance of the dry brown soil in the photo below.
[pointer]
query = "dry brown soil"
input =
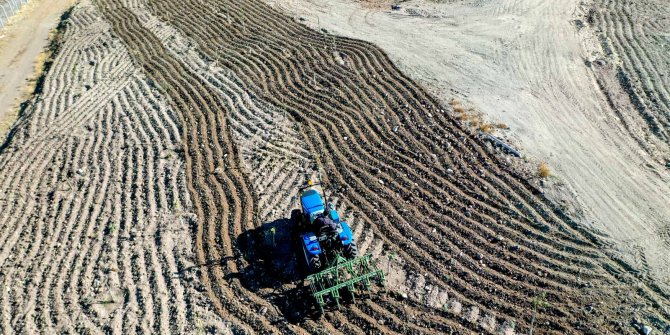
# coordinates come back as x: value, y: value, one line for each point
x: 168, y: 136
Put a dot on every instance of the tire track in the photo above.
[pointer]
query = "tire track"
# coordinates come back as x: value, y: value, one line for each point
x: 631, y: 40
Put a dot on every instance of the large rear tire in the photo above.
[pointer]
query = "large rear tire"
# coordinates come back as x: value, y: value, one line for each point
x: 351, y: 251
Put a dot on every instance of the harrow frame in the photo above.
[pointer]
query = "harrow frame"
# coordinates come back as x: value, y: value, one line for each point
x: 343, y: 274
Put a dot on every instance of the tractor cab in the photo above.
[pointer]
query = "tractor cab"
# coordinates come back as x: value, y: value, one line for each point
x: 312, y: 204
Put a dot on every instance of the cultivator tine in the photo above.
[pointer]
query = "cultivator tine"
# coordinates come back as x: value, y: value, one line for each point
x: 344, y: 274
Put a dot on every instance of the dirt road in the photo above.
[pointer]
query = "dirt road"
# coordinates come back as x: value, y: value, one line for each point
x: 21, y: 41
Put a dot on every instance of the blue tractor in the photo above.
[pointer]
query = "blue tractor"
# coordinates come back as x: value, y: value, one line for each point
x: 324, y: 237
x: 330, y: 251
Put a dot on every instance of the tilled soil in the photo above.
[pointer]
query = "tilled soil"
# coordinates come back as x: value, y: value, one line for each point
x: 564, y: 79
x: 169, y: 135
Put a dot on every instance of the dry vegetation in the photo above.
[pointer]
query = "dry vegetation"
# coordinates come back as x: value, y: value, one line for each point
x: 474, y: 118
x: 543, y: 170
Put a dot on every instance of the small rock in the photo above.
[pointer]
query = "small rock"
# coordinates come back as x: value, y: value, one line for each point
x: 488, y: 322
x: 263, y: 310
x: 450, y: 171
x: 395, y: 129
x: 507, y: 328
x: 472, y: 314
x: 380, y: 321
x: 454, y: 307
x: 381, y: 181
x: 645, y: 330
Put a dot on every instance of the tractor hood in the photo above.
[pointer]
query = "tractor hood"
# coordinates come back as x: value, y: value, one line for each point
x: 312, y: 202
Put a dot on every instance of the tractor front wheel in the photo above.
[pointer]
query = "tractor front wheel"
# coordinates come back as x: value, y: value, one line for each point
x: 298, y: 219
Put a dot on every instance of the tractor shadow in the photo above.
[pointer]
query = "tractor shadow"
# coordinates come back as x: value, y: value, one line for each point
x: 274, y: 270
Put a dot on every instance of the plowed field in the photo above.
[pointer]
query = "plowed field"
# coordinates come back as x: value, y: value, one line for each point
x: 166, y: 133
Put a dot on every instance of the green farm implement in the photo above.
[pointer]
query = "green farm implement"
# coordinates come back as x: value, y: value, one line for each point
x: 344, y: 274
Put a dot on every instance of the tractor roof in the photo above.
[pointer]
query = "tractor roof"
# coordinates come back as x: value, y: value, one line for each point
x: 311, y: 200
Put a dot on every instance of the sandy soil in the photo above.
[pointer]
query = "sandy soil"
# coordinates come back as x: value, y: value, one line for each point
x: 21, y: 42
x: 524, y: 63
x: 148, y: 187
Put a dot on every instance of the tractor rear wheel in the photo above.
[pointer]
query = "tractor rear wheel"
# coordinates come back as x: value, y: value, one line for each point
x: 351, y: 251
x: 313, y: 261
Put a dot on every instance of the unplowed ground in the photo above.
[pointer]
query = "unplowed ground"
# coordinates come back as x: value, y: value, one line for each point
x: 168, y: 135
